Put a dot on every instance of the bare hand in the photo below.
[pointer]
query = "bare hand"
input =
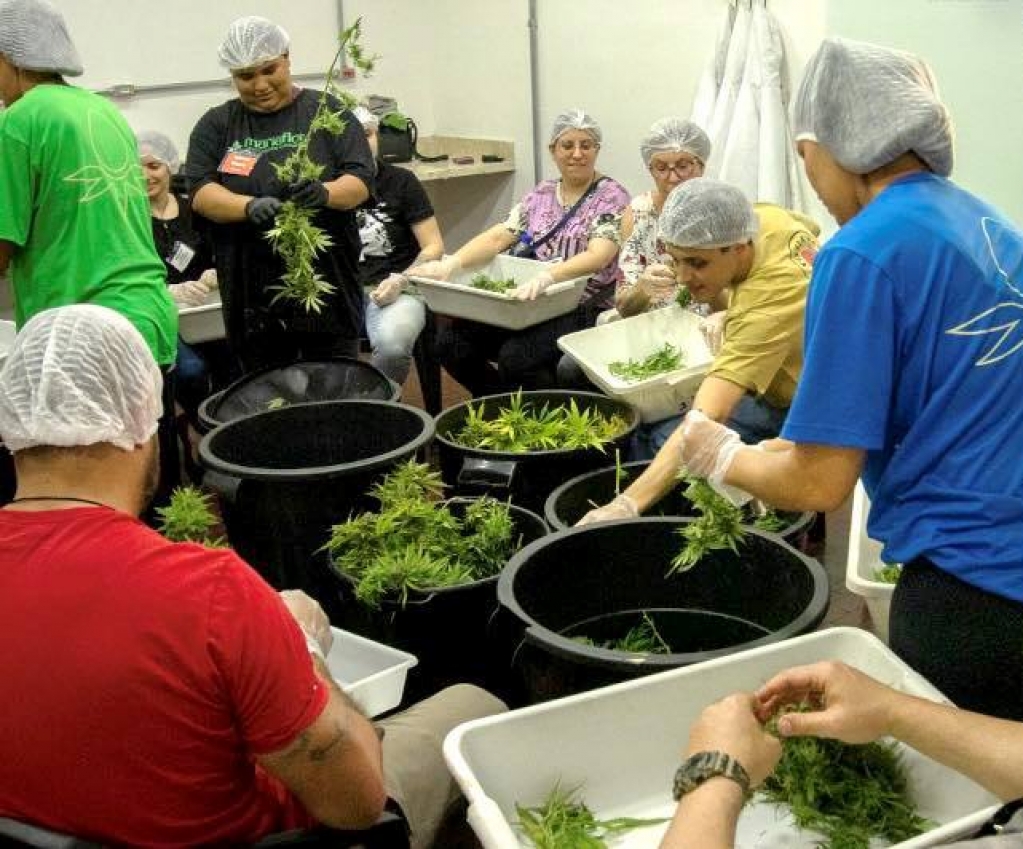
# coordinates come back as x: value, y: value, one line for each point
x: 388, y: 290
x: 731, y: 726
x: 310, y: 618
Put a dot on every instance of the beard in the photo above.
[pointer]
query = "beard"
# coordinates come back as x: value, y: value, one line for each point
x: 151, y: 480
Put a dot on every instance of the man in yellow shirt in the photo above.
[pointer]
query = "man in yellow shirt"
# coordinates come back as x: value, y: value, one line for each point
x: 757, y: 260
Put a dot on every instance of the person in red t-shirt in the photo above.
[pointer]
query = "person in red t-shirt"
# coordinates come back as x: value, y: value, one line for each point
x: 159, y: 693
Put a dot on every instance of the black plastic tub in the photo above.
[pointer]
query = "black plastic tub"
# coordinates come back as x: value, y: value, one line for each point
x: 527, y: 478
x: 338, y: 379
x: 575, y: 498
x: 599, y: 580
x: 292, y: 473
x: 446, y: 628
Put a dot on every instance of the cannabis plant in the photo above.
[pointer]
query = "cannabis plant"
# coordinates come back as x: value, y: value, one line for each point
x: 189, y: 517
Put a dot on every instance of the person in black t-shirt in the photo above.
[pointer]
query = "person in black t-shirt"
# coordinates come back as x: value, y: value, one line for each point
x: 398, y: 231
x: 231, y: 155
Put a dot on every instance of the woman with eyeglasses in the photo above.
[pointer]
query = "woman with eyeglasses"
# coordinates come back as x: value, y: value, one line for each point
x: 673, y: 151
x: 575, y: 219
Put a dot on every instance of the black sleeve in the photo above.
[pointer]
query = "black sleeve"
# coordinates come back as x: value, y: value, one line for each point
x: 206, y: 149
x: 415, y: 203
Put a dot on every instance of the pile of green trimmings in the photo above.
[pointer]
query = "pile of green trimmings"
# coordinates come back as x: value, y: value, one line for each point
x: 664, y: 359
x: 493, y: 284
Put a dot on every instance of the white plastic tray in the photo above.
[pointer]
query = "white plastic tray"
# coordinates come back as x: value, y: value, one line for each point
x: 657, y: 397
x: 7, y: 332
x: 202, y: 324
x: 371, y: 673
x: 621, y: 744
x: 862, y: 563
x: 456, y: 298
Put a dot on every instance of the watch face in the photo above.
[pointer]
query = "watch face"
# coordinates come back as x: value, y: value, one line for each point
x: 703, y: 765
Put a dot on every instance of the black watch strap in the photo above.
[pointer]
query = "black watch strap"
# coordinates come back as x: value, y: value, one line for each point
x: 697, y: 768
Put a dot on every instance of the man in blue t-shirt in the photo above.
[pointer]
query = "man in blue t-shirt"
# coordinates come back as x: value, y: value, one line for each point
x: 913, y: 373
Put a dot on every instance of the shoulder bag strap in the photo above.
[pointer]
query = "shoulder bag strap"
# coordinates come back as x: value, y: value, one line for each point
x: 546, y: 237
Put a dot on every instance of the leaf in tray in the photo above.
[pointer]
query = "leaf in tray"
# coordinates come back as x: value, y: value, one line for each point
x: 665, y: 359
x: 500, y: 286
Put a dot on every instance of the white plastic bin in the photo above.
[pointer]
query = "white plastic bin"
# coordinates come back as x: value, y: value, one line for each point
x: 7, y: 332
x: 371, y: 673
x: 656, y: 397
x: 862, y: 563
x: 622, y: 745
x: 458, y: 299
x: 202, y: 324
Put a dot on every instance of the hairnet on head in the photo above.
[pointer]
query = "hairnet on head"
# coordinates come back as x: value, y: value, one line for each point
x: 706, y: 213
x: 575, y: 119
x: 160, y: 148
x: 34, y: 37
x: 250, y: 41
x: 674, y: 135
x: 79, y: 375
x: 368, y: 120
x: 868, y: 105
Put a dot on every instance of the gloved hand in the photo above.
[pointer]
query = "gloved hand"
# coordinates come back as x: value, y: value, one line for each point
x: 311, y: 619
x: 657, y: 281
x: 209, y: 279
x: 534, y: 288
x: 623, y: 507
x: 189, y: 293
x: 311, y: 194
x: 438, y: 269
x: 708, y: 449
x: 263, y: 210
x: 388, y: 290
x: 713, y: 329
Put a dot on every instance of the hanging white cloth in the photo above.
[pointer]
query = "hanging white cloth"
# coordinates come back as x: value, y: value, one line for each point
x: 713, y: 73
x: 735, y: 62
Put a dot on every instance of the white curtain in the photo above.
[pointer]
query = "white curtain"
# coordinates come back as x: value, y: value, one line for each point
x: 742, y: 103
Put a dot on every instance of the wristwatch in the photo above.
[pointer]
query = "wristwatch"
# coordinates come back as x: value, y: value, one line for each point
x: 703, y: 765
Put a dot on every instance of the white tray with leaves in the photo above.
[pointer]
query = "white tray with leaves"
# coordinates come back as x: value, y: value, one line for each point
x: 619, y: 746
x: 603, y: 350
x: 459, y: 298
x: 203, y: 323
x: 864, y: 564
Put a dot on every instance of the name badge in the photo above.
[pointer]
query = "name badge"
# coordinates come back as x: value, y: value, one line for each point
x: 180, y: 256
x: 238, y: 163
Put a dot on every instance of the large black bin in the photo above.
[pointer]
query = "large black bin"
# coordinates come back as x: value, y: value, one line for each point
x: 446, y: 628
x: 306, y: 381
x: 575, y: 498
x: 598, y: 581
x: 527, y: 478
x: 293, y: 472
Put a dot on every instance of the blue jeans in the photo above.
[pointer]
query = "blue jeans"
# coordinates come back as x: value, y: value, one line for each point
x: 392, y: 332
x: 753, y: 419
x: 192, y: 379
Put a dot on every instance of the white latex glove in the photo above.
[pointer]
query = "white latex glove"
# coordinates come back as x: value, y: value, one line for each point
x: 623, y: 507
x: 209, y: 277
x: 534, y: 288
x: 311, y: 619
x: 438, y: 269
x: 388, y: 290
x: 713, y: 329
x: 708, y: 449
x: 657, y: 281
x: 190, y: 293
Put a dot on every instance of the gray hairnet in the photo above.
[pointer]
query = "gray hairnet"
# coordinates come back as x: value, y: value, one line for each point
x: 366, y: 118
x: 674, y: 135
x: 575, y: 119
x: 34, y: 37
x: 79, y: 375
x: 706, y: 213
x: 868, y: 105
x: 250, y: 41
x: 159, y: 147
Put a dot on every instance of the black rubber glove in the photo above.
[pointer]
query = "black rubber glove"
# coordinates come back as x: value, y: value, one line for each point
x: 311, y: 194
x: 261, y: 211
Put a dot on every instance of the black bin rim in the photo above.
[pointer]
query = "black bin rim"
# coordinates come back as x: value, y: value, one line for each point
x: 213, y: 462
x: 565, y: 647
x: 628, y: 411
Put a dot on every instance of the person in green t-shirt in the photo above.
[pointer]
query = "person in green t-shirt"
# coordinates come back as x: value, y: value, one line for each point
x: 74, y: 216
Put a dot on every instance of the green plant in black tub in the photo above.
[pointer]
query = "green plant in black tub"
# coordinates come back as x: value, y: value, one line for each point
x: 848, y: 793
x: 643, y: 638
x: 719, y: 526
x: 493, y: 284
x: 189, y: 517
x: 562, y: 821
x: 664, y: 359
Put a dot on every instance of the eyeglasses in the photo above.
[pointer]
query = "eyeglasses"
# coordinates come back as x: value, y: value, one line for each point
x: 584, y: 146
x: 680, y: 168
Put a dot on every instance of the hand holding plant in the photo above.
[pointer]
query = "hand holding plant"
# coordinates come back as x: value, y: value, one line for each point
x: 731, y: 726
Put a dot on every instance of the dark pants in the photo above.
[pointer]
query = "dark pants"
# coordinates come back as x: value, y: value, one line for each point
x: 488, y: 360
x: 967, y: 642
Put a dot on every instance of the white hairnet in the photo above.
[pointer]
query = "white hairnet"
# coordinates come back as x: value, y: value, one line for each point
x: 868, y: 105
x: 706, y: 213
x: 574, y: 119
x: 79, y: 375
x: 366, y: 118
x: 160, y: 148
x: 250, y: 41
x: 34, y: 37
x: 674, y: 135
